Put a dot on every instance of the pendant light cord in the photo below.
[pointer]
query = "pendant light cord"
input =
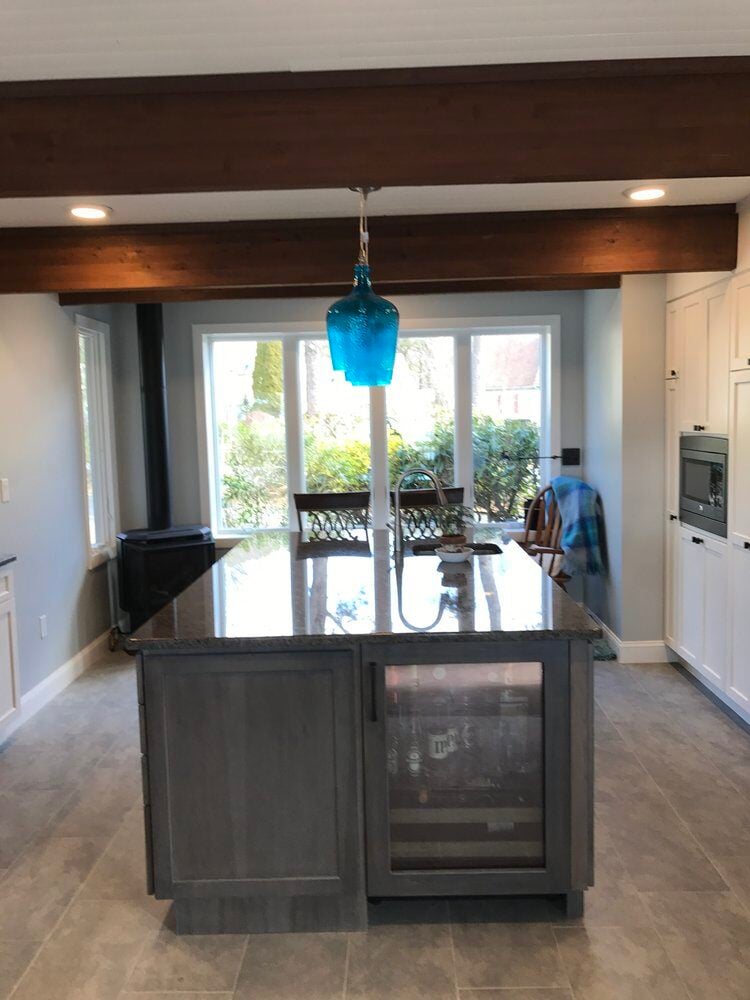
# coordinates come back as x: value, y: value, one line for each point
x: 364, y: 235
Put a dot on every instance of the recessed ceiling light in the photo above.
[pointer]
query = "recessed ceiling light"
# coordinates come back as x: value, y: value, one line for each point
x: 649, y: 193
x: 90, y: 213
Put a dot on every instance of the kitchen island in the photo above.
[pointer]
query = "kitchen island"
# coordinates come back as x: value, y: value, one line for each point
x: 325, y: 723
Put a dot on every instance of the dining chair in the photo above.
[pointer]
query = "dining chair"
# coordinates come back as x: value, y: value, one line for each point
x: 333, y: 516
x: 418, y: 511
x: 542, y: 534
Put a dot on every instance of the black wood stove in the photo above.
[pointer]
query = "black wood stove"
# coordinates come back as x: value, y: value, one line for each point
x: 156, y: 563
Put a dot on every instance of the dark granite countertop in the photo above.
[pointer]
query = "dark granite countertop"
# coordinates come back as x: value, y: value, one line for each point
x: 5, y: 559
x: 275, y: 587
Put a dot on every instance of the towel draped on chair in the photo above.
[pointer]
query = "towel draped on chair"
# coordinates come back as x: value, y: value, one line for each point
x: 577, y: 502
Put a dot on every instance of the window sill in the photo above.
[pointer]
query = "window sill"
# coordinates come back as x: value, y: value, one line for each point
x: 97, y: 557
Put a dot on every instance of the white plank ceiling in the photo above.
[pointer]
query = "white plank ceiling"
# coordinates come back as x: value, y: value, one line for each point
x: 53, y: 39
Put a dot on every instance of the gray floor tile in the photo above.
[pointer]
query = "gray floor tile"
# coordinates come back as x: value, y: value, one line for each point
x: 190, y: 962
x: 401, y: 963
x: 39, y: 887
x: 561, y: 994
x: 120, y: 873
x: 276, y: 964
x: 92, y: 952
x: 24, y: 816
x: 707, y: 937
x: 100, y: 805
x: 14, y: 959
x: 605, y: 963
x: 170, y: 995
x: 735, y: 870
x: 504, y: 955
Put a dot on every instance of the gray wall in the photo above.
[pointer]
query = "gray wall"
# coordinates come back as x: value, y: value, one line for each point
x: 624, y: 342
x: 178, y: 321
x: 603, y: 441
x: 40, y: 454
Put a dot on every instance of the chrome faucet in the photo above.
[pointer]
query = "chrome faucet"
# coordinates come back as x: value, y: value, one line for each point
x: 398, y: 537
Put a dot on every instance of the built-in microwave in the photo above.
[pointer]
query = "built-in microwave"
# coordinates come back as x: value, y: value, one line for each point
x: 703, y: 482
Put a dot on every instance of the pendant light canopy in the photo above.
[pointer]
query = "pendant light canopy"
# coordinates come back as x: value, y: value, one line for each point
x: 363, y: 327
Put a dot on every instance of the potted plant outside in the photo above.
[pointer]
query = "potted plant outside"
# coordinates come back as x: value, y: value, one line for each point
x: 451, y: 522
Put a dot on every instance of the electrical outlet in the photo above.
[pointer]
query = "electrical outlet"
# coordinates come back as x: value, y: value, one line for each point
x: 43, y: 626
x: 4, y: 491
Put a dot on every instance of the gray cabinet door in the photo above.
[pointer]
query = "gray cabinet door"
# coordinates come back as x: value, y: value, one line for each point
x: 253, y: 776
x: 467, y: 768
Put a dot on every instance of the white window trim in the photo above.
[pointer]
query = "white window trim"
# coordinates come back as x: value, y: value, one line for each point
x: 292, y: 334
x: 107, y: 503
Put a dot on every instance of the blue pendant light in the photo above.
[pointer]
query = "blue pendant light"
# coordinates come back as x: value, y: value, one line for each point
x: 363, y: 327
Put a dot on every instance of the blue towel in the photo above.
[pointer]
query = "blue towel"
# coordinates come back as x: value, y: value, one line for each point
x: 580, y: 534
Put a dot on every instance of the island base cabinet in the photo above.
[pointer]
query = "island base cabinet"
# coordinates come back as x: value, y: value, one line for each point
x: 468, y: 769
x: 253, y: 789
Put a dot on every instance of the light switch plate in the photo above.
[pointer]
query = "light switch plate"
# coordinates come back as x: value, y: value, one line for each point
x: 4, y: 491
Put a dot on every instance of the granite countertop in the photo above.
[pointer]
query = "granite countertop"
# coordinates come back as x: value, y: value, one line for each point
x: 5, y: 559
x: 275, y: 586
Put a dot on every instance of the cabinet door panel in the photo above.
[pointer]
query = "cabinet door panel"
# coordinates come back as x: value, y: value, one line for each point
x: 672, y: 445
x: 717, y: 306
x: 9, y: 696
x: 691, y: 597
x: 741, y: 322
x: 252, y: 773
x: 739, y: 648
x: 713, y: 662
x: 671, y: 597
x: 693, y: 330
x: 739, y: 457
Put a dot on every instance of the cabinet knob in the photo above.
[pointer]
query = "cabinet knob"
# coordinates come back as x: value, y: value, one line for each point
x: 697, y: 541
x: 673, y: 517
x: 747, y: 545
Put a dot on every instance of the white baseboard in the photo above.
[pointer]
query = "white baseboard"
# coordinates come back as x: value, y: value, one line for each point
x: 42, y: 693
x: 635, y: 651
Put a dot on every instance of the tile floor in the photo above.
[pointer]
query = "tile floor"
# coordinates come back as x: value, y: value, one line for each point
x: 669, y: 918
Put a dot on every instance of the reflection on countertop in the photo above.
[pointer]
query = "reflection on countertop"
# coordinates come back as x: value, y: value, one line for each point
x: 276, y: 585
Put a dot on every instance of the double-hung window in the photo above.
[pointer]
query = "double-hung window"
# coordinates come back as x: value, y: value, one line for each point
x: 475, y: 401
x: 97, y: 431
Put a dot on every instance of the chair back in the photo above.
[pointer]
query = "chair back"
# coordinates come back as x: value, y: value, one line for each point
x: 333, y: 516
x: 418, y: 510
x: 542, y: 532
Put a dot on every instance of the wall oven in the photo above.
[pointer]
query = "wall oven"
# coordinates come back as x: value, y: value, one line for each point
x: 703, y: 482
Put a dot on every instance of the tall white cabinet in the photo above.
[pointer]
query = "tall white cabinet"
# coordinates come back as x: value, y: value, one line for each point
x: 739, y: 537
x: 10, y: 696
x: 707, y: 578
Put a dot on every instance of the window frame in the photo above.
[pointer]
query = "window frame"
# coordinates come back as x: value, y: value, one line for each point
x: 292, y: 335
x: 102, y: 433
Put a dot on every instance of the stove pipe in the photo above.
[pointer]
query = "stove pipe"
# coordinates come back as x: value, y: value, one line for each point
x: 154, y: 408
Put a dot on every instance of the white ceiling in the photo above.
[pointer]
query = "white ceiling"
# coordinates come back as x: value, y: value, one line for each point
x: 238, y: 205
x: 48, y: 39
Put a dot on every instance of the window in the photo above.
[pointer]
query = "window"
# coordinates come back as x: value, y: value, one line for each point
x: 475, y: 401
x: 98, y: 438
x: 249, y: 438
x: 335, y: 425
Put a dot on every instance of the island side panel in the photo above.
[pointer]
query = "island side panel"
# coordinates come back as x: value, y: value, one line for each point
x: 581, y: 764
x: 253, y: 786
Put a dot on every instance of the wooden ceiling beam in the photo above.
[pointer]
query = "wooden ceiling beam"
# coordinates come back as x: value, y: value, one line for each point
x: 439, y: 251
x: 564, y: 283
x: 585, y: 121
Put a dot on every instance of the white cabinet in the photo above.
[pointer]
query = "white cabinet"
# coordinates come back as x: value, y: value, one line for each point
x: 739, y: 457
x: 702, y: 589
x: 10, y: 697
x: 690, y: 597
x: 740, y: 321
x: 672, y: 445
x: 699, y: 352
x: 739, y: 635
x: 671, y: 569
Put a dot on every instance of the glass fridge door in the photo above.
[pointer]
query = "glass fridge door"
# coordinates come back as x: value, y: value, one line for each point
x: 465, y: 763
